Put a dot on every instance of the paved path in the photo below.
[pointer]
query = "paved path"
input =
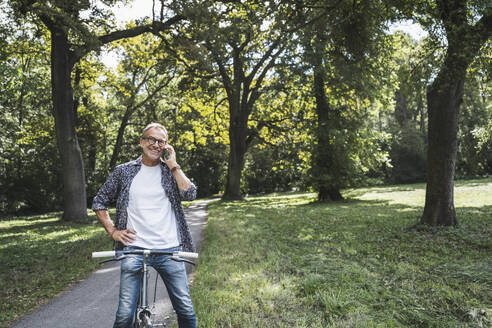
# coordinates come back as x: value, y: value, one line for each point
x: 93, y: 303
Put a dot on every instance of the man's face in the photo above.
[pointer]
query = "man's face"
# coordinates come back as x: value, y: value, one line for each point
x: 152, y: 152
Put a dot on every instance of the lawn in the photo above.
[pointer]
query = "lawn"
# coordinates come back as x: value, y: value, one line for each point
x: 282, y: 260
x: 41, y: 256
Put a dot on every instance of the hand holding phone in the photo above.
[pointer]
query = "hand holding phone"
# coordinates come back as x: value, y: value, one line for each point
x: 166, y: 154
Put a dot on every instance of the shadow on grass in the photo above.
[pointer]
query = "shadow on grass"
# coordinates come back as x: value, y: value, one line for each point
x: 361, y: 217
x: 43, y: 227
x: 384, y: 190
x: 344, y: 258
x: 472, y: 182
x: 41, y: 222
x: 65, y: 243
x: 34, y: 217
x: 50, y: 238
x: 34, y: 227
x: 348, y: 204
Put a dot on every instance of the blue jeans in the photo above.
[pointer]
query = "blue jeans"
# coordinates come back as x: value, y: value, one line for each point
x: 174, y: 276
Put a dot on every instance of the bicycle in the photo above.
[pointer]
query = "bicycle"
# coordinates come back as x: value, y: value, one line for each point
x: 144, y: 313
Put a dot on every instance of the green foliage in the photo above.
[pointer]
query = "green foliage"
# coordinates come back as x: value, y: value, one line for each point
x: 272, y: 168
x: 408, y: 156
x: 92, y: 121
x: 281, y: 260
x: 28, y: 157
x: 198, y: 129
x: 475, y: 117
x: 375, y: 86
x: 347, y: 53
x: 206, y: 167
x: 413, y: 63
x: 278, y: 158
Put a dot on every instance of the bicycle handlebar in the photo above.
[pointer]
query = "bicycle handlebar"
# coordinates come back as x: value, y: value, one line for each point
x: 144, y: 251
x: 104, y: 254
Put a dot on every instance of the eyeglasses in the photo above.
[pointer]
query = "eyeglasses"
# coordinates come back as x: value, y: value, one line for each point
x: 153, y: 140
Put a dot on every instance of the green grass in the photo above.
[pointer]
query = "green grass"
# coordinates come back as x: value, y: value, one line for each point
x: 40, y: 256
x: 282, y: 260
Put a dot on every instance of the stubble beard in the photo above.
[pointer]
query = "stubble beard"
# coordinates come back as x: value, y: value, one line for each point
x: 153, y: 154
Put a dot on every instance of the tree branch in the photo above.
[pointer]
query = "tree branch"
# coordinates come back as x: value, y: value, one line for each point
x: 238, y: 73
x: 255, y: 91
x: 262, y: 60
x: 154, y: 27
x: 483, y: 28
x: 222, y: 71
x: 154, y: 92
x: 50, y: 24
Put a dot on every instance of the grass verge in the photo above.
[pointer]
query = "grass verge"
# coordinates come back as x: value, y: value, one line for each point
x: 42, y: 255
x: 282, y: 260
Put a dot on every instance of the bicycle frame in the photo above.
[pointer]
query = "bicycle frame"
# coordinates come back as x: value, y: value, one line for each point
x: 143, y: 313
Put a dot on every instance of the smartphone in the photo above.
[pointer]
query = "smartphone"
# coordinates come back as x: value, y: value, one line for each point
x: 166, y: 153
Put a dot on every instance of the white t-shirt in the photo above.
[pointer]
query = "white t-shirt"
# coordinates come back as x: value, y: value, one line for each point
x: 150, y: 212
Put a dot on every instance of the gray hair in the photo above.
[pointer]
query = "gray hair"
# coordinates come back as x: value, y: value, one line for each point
x: 153, y: 125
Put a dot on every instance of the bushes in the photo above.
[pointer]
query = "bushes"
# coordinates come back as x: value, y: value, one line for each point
x: 31, y: 177
x: 206, y: 166
x: 271, y: 169
x: 408, y: 157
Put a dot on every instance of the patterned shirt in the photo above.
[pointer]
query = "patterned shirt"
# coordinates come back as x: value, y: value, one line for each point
x: 117, y: 186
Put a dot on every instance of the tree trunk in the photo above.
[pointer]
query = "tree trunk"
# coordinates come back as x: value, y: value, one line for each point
x: 323, y: 161
x: 443, y: 99
x: 326, y: 194
x: 401, y: 109
x: 443, y: 102
x: 119, y: 138
x: 421, y: 111
x: 74, y: 202
x: 93, y: 141
x: 238, y: 146
x: 241, y: 98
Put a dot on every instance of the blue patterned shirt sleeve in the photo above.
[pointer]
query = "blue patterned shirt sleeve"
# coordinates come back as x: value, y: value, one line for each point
x: 108, y: 193
x: 189, y: 194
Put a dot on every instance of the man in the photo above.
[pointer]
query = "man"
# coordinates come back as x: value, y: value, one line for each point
x: 148, y: 193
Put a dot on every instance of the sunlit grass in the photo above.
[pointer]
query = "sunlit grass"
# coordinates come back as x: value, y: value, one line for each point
x: 41, y: 256
x: 475, y: 193
x: 283, y: 260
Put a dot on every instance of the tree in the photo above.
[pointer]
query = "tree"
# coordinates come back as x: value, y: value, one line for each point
x: 143, y: 73
x: 241, y: 41
x: 277, y: 160
x: 27, y: 149
x: 199, y: 132
x: 474, y: 157
x: 467, y: 27
x: 72, y: 37
x: 342, y: 43
x: 414, y: 64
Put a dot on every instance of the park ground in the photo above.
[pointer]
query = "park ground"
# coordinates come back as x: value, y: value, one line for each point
x: 284, y: 260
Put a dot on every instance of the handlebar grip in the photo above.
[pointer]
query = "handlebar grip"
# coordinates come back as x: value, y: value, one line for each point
x: 187, y: 254
x: 104, y: 254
